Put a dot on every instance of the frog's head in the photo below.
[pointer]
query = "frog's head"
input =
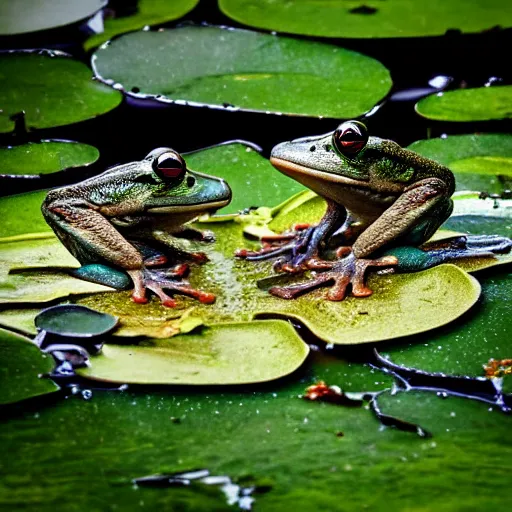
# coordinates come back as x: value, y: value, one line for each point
x: 333, y: 156
x: 180, y: 190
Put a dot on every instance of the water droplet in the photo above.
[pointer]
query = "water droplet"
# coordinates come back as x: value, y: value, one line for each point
x: 86, y: 394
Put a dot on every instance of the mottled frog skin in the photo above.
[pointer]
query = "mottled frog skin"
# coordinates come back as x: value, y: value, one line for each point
x: 379, y: 195
x: 108, y: 218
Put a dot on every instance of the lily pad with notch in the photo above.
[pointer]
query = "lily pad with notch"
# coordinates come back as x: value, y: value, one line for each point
x: 242, y: 70
x: 51, y: 88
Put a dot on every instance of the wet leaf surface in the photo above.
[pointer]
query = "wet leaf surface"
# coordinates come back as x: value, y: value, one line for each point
x: 251, y: 71
x: 248, y: 174
x: 52, y: 89
x: 296, y: 449
x: 476, y: 159
x: 24, y: 281
x: 21, y: 215
x: 21, y: 364
x: 462, y: 105
x: 148, y: 12
x: 409, y: 302
x: 369, y: 19
x: 45, y: 157
x: 20, y: 16
x: 222, y: 354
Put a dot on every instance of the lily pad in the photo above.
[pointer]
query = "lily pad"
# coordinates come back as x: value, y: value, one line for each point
x: 462, y: 105
x: 239, y: 69
x: 21, y: 215
x: 23, y: 281
x: 369, y: 19
x: 240, y: 353
x: 45, y: 157
x: 246, y: 171
x: 480, y: 161
x: 51, y: 88
x: 149, y: 12
x: 21, y: 364
x: 410, y: 303
x: 22, y: 16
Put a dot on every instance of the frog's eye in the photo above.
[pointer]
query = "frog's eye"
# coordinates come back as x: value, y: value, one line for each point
x: 169, y: 166
x: 350, y: 138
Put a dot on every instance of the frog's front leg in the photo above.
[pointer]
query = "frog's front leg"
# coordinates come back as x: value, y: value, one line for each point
x: 296, y: 249
x: 91, y: 238
x: 418, y: 212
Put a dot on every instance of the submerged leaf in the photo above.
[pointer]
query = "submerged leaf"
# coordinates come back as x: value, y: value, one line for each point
x: 51, y: 88
x: 239, y: 69
x: 45, y: 157
x: 238, y: 353
x: 478, y: 104
x: 21, y: 364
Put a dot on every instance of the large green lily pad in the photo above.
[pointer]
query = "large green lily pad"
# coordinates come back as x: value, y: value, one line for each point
x: 239, y: 69
x: 369, y: 19
x: 45, y: 157
x: 51, y: 88
x: 239, y: 353
x: 247, y: 173
x: 21, y: 215
x: 480, y: 161
x: 478, y: 104
x: 148, y: 12
x: 21, y: 367
x: 24, y: 281
x: 22, y: 16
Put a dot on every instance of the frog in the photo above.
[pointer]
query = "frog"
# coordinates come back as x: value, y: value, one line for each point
x: 379, y: 196
x: 108, y: 220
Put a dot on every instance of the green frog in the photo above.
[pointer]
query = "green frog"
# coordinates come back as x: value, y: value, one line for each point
x: 379, y: 195
x: 107, y: 219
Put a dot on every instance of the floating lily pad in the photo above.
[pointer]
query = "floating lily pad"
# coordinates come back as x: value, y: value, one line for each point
x: 410, y: 303
x: 22, y: 16
x: 21, y: 364
x: 224, y: 354
x: 21, y: 215
x: 245, y: 171
x: 478, y: 104
x: 74, y: 321
x: 23, y: 280
x: 148, y: 12
x: 239, y: 69
x: 368, y: 19
x: 45, y: 157
x: 480, y: 161
x: 51, y: 88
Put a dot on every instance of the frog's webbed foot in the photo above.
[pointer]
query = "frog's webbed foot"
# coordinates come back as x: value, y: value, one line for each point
x: 158, y: 280
x: 293, y: 248
x: 338, y: 275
